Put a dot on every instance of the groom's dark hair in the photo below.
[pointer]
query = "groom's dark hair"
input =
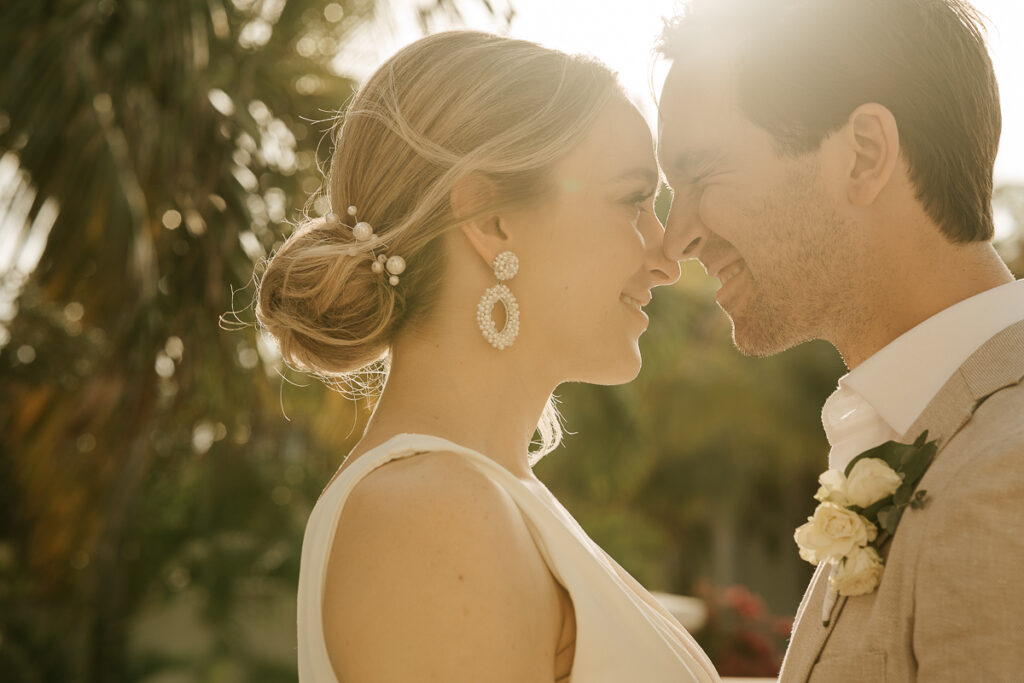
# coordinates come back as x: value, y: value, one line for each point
x: 803, y: 66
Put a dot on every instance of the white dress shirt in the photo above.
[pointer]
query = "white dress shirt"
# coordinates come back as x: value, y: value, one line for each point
x: 882, y: 397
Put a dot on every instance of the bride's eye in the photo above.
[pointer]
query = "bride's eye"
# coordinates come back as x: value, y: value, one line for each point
x: 640, y: 203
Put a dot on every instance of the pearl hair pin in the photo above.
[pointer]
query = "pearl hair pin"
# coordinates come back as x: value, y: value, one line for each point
x: 362, y: 232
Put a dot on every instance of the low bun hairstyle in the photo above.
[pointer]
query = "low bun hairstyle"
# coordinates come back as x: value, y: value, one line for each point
x: 446, y: 106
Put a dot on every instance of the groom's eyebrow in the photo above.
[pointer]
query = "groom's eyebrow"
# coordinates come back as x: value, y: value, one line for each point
x: 692, y: 163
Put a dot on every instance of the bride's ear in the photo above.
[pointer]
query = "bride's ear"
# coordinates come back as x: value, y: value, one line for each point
x: 470, y: 199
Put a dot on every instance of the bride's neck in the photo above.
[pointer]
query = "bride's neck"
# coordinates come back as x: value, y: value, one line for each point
x: 463, y: 390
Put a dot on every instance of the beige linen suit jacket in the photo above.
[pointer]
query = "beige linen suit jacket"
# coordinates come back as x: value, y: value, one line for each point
x: 950, y: 606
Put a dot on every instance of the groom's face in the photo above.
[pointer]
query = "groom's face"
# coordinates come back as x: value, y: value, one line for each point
x: 764, y: 224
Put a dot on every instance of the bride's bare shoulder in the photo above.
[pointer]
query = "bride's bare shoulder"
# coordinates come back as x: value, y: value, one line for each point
x: 429, y: 499
x: 429, y: 552
x: 424, y: 474
x: 437, y: 488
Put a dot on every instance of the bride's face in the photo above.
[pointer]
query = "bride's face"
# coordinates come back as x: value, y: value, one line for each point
x: 593, y: 253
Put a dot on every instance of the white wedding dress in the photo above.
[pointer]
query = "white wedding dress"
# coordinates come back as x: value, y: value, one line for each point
x: 621, y: 634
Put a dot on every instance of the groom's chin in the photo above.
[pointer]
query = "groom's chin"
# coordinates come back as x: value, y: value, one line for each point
x: 758, y: 338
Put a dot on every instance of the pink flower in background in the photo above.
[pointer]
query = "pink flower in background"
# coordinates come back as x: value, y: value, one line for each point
x: 740, y: 635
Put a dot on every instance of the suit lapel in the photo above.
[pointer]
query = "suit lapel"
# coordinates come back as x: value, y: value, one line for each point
x: 996, y: 364
x: 809, y: 633
x: 944, y: 416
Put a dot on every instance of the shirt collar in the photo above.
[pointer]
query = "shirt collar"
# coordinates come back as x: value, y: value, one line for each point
x: 901, y: 379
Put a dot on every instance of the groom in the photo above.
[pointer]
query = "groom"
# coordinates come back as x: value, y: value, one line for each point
x: 832, y: 167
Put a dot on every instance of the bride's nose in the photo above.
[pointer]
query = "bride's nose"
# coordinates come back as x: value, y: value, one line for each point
x: 664, y: 269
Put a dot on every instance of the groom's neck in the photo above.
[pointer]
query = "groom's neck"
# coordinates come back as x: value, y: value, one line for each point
x: 911, y: 282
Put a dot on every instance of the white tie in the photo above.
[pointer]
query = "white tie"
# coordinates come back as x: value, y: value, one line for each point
x: 852, y: 427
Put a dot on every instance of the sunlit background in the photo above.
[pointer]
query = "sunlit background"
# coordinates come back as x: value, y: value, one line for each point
x: 622, y: 34
x: 157, y: 464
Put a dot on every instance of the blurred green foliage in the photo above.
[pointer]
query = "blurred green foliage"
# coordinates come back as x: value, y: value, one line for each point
x: 156, y: 470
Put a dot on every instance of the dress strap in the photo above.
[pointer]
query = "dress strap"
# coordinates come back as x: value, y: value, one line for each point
x: 408, y: 444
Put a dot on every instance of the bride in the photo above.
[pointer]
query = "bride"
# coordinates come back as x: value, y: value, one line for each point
x: 491, y: 236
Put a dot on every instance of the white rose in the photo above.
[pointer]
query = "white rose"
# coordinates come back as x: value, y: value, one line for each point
x: 832, y: 532
x: 871, y: 480
x: 859, y: 573
x: 833, y: 488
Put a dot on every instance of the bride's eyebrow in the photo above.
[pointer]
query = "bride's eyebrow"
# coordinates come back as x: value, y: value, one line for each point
x: 648, y: 175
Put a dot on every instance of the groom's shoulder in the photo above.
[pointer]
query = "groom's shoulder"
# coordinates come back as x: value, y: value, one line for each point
x: 1003, y: 406
x: 996, y: 426
x: 981, y: 466
x: 961, y: 551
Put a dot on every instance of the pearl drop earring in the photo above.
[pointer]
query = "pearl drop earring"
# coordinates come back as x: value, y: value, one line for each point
x: 505, y: 265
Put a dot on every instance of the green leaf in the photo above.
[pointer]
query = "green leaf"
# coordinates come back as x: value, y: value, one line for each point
x: 920, y: 500
x: 890, y: 451
x: 902, y: 495
x: 872, y: 511
x: 884, y: 515
x: 918, y: 462
x: 889, y: 518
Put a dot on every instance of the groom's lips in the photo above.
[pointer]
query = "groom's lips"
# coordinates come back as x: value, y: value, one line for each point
x: 730, y: 271
x: 731, y: 276
x: 724, y: 270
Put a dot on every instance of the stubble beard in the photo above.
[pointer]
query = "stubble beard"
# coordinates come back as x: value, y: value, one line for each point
x: 765, y: 325
x: 801, y: 293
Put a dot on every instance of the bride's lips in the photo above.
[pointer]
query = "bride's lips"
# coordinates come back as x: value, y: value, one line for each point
x: 635, y: 304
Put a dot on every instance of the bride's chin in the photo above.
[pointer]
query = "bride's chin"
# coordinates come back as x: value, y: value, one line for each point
x: 623, y: 371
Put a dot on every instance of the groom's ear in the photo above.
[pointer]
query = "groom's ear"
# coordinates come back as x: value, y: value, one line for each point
x: 471, y: 200
x: 874, y: 142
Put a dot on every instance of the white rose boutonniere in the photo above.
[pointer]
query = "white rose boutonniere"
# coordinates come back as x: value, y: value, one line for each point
x: 871, y: 480
x: 860, y: 510
x: 833, y: 488
x: 832, y: 533
x: 858, y: 573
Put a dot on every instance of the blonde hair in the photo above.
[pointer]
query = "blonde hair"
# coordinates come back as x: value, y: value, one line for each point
x: 444, y: 107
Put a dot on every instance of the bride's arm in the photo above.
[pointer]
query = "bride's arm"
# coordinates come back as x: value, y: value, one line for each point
x: 434, y: 577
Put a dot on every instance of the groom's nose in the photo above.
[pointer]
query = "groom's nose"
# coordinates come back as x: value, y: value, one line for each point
x: 685, y: 234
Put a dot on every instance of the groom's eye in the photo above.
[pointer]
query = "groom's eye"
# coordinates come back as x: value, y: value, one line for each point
x: 698, y: 184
